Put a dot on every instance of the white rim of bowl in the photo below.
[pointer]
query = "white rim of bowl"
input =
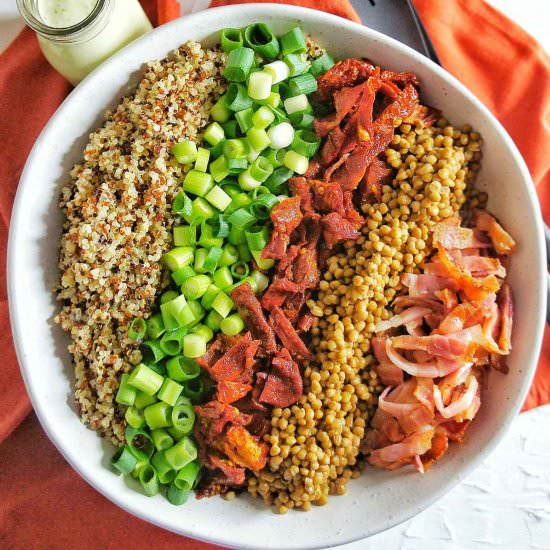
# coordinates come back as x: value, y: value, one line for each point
x: 281, y: 11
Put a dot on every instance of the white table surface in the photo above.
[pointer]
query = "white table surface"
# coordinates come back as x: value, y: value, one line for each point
x: 505, y: 503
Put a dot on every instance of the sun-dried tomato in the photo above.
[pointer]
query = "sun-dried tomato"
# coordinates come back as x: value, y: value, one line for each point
x: 288, y: 335
x: 283, y: 386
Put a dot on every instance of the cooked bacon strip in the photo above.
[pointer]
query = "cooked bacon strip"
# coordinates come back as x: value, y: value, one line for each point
x: 344, y: 74
x: 345, y: 100
x: 504, y: 301
x: 286, y: 217
x: 502, y: 241
x: 389, y: 374
x: 250, y: 310
x: 478, y: 266
x: 447, y: 346
x: 288, y: 335
x: 337, y: 229
x: 413, y: 315
x: 449, y: 234
x: 457, y: 406
x: 283, y: 386
x: 420, y: 285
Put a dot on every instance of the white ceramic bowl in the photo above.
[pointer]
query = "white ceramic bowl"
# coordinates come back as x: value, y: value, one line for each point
x: 379, y: 499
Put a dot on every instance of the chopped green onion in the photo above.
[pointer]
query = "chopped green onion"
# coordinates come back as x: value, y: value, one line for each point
x: 218, y: 169
x: 169, y: 392
x: 220, y: 227
x: 230, y: 129
x: 157, y: 415
x: 239, y: 63
x: 303, y: 84
x: 171, y: 312
x: 177, y: 496
x: 213, y: 133
x: 259, y: 280
x: 231, y: 39
x: 257, y: 239
x: 296, y: 104
x: 244, y: 253
x: 124, y: 461
x: 232, y: 325
x: 223, y: 304
x: 272, y: 100
x: 181, y: 454
x: 258, y: 139
x: 217, y: 150
x: 182, y: 369
x: 203, y: 157
x: 161, y: 439
x: 196, y: 309
x: 280, y: 115
x: 247, y: 182
x: 185, y: 235
x: 219, y: 112
x: 182, y: 204
x: 259, y: 191
x: 230, y: 255
x: 278, y: 71
x: 296, y: 162
x: 302, y: 120
x: 236, y: 166
x: 222, y: 278
x: 236, y: 148
x: 262, y: 263
x: 297, y: 64
x: 139, y: 442
x: 213, y: 320
x: 263, y: 117
x: 236, y: 236
x: 137, y: 328
x: 278, y: 179
x: 185, y: 152
x: 241, y: 218
x: 149, y: 480
x: 145, y: 379
x: 198, y: 389
x: 262, y: 40
x: 198, y: 183
x: 240, y: 270
x: 195, y: 287
x: 293, y: 41
x: 152, y: 352
x: 261, y: 207
x: 212, y: 258
x: 231, y: 189
x: 260, y: 169
x: 165, y: 472
x: 171, y: 340
x: 244, y: 119
x: 321, y: 65
x: 306, y: 143
x: 134, y: 417
x: 201, y: 210
x: 194, y: 345
x: 238, y: 201
x: 183, y: 416
x: 181, y: 275
x: 178, y: 257
x: 168, y: 296
x: 187, y: 476
x: 259, y: 85
x: 281, y: 135
x: 204, y: 331
x: 126, y: 394
x: 237, y: 98
x: 284, y: 90
x: 208, y: 297
x: 274, y: 156
x: 143, y: 400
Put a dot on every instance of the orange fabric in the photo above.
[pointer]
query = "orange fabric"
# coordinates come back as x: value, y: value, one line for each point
x: 503, y: 65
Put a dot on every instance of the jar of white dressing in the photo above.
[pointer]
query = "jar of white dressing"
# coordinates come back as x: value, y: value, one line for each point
x: 77, y: 35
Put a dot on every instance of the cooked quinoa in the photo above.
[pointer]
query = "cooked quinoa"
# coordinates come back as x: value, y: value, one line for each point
x: 118, y: 224
x: 316, y: 444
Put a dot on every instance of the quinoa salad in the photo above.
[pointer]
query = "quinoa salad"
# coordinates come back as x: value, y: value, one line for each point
x: 277, y: 274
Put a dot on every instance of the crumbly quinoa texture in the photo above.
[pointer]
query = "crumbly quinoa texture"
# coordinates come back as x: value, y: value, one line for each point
x: 316, y: 444
x: 118, y: 224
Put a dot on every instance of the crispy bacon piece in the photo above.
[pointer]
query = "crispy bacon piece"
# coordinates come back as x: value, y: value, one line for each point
x: 502, y: 241
x: 337, y: 229
x: 345, y: 100
x: 504, y: 302
x: 375, y: 177
x: 301, y: 187
x: 286, y: 217
x: 344, y: 74
x: 244, y: 449
x: 283, y: 386
x: 250, y: 310
x: 288, y: 335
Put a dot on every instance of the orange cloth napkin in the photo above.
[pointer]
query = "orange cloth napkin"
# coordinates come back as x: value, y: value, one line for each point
x: 44, y: 503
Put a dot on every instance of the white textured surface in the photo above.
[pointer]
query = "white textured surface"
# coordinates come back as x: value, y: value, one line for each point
x: 505, y: 503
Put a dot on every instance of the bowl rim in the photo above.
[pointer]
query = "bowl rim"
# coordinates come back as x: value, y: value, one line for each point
x: 277, y: 10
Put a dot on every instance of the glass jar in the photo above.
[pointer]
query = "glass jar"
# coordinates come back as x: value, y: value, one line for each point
x: 77, y: 35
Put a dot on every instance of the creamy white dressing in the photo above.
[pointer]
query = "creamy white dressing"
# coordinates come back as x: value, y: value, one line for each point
x: 75, y: 59
x: 65, y: 13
